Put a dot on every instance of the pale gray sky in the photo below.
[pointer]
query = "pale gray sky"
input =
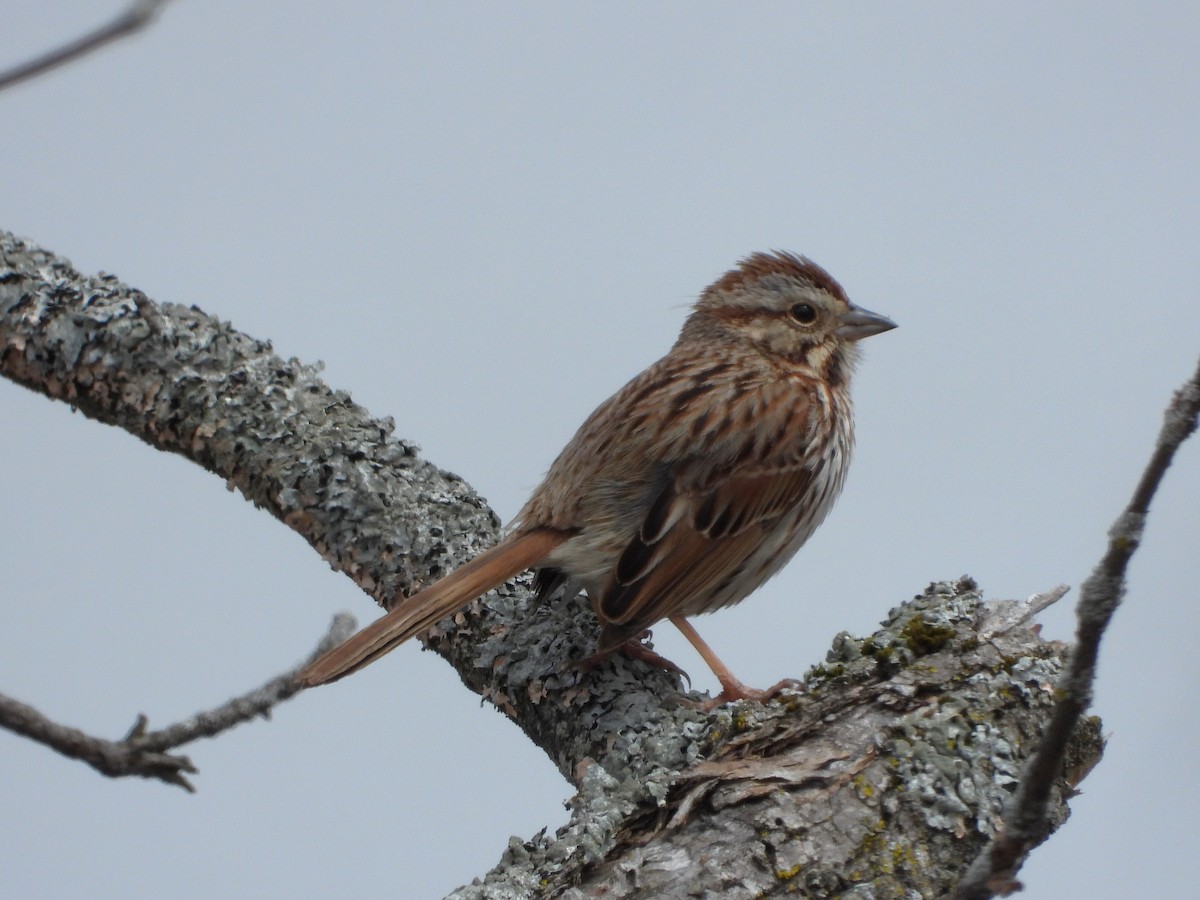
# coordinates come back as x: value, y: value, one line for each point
x: 484, y: 218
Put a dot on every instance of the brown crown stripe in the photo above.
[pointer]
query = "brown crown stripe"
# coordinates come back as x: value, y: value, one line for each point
x: 780, y: 262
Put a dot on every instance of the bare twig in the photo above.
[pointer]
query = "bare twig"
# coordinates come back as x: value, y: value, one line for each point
x: 139, y: 14
x: 1000, y: 616
x: 994, y: 870
x: 144, y: 753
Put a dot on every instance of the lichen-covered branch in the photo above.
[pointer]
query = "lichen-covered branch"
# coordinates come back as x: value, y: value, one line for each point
x: 994, y: 872
x: 883, y: 779
x: 188, y: 383
x: 145, y: 753
x: 890, y: 772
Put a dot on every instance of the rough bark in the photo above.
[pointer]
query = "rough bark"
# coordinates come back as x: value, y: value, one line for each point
x: 883, y: 780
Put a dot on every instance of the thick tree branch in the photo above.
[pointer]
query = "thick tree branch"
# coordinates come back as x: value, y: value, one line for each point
x: 144, y: 753
x: 189, y: 384
x: 995, y: 870
x: 136, y: 17
x: 888, y: 774
x: 883, y: 779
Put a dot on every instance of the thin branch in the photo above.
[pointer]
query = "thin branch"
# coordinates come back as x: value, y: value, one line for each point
x: 994, y: 870
x: 144, y: 753
x: 135, y: 18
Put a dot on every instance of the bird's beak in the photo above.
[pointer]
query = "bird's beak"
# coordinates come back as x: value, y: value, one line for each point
x: 858, y: 323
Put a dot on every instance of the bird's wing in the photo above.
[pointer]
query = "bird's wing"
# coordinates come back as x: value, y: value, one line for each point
x: 669, y: 572
x: 714, y: 511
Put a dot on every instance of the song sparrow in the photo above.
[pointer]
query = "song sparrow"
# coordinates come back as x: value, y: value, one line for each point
x: 693, y: 484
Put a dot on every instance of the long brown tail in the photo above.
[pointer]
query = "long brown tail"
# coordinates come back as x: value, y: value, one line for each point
x: 425, y: 608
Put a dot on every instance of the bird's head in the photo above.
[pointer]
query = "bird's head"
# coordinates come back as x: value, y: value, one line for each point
x: 788, y: 307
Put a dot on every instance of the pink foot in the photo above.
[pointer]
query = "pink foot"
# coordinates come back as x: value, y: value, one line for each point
x: 637, y: 650
x: 733, y: 690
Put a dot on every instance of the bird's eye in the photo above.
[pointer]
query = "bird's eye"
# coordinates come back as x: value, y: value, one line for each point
x: 804, y: 313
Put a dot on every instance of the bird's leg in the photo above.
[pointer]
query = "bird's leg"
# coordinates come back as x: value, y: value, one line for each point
x: 731, y: 688
x: 636, y: 648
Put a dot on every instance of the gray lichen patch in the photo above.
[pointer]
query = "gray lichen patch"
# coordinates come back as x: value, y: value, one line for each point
x: 886, y: 775
x: 186, y: 382
x: 883, y: 779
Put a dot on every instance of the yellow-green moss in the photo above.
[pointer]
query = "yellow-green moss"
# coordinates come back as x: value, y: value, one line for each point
x: 788, y: 874
x: 865, y: 789
x: 924, y: 637
x: 879, y: 652
x: 882, y: 857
